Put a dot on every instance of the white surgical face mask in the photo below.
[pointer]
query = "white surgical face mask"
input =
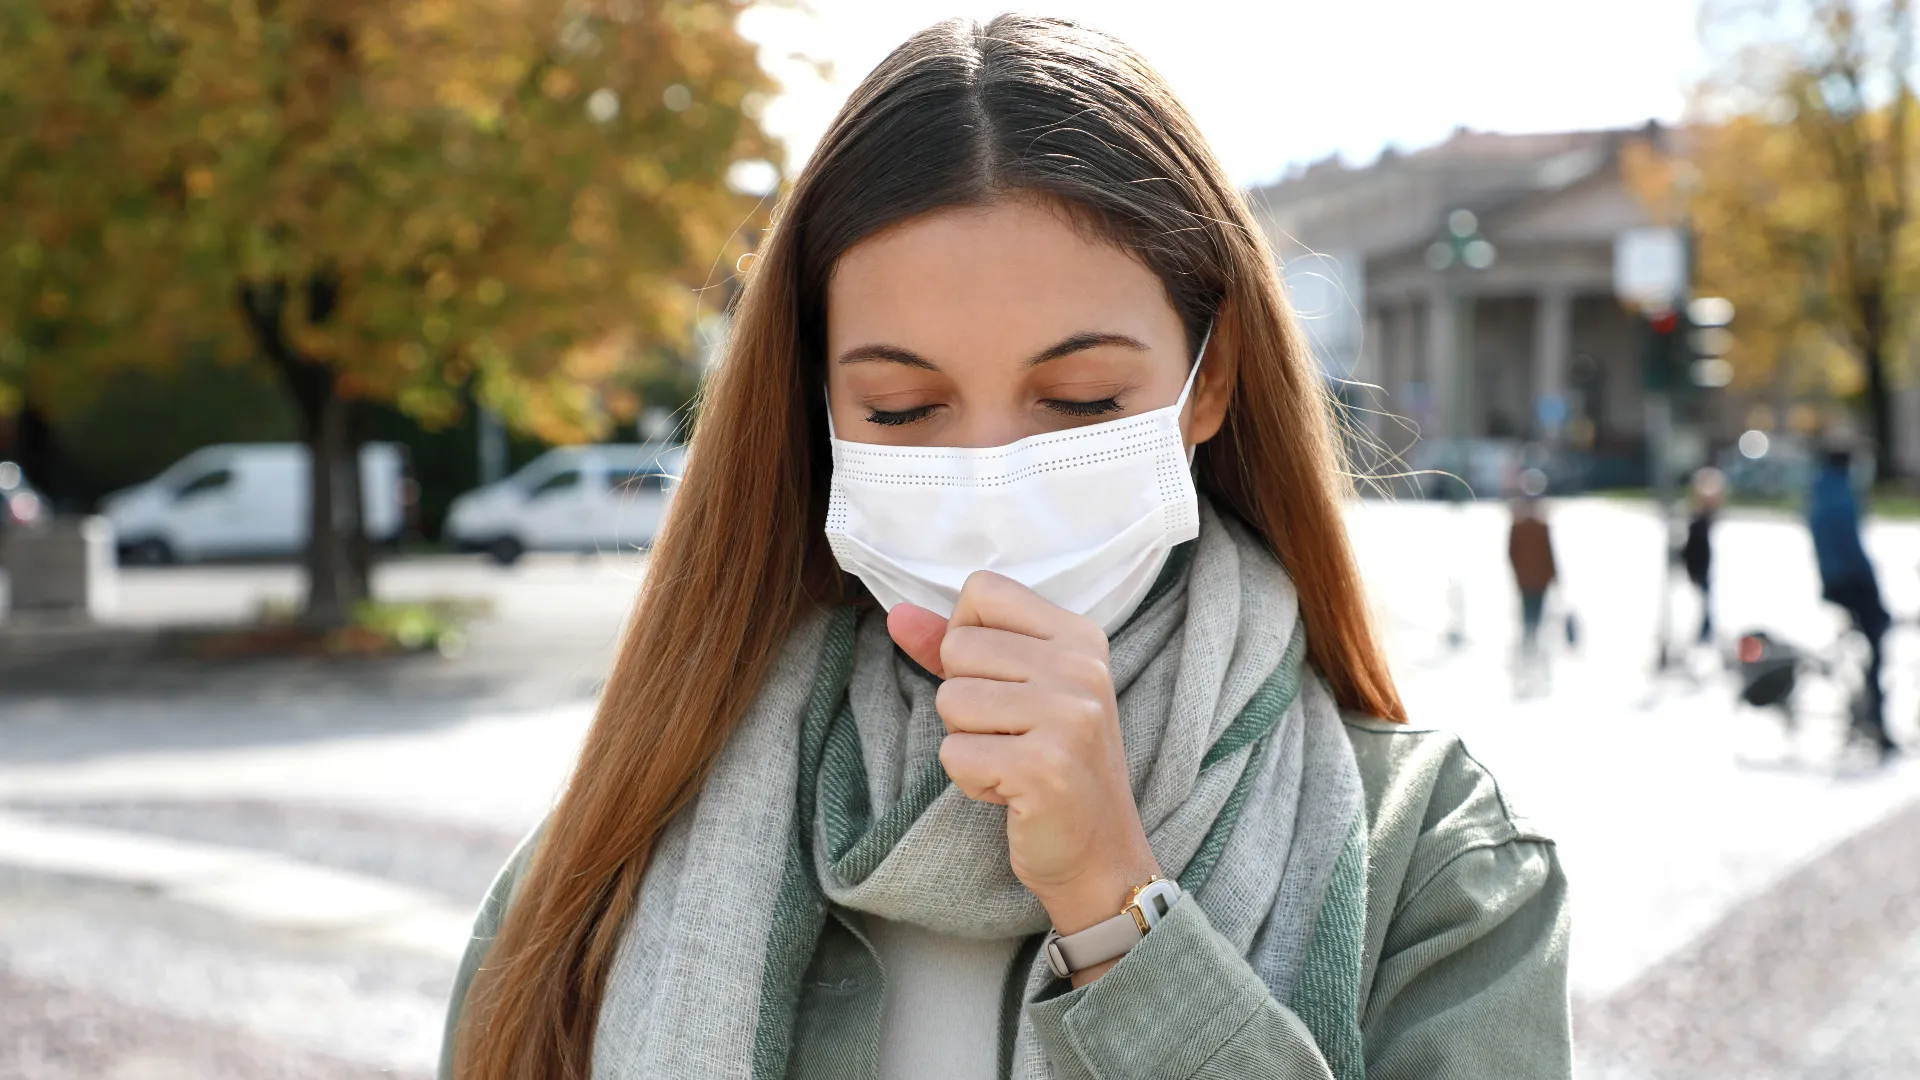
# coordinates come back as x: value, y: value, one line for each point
x: 1085, y: 517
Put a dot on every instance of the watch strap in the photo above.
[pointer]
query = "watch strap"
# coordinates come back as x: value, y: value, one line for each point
x: 1111, y: 938
x: 1097, y: 944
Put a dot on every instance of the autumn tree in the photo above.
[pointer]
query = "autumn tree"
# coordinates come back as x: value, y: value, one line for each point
x: 1799, y: 185
x: 419, y: 202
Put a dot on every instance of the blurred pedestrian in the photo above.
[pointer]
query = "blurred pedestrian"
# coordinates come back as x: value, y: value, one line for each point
x: 1847, y: 579
x: 1709, y: 485
x: 1530, y: 550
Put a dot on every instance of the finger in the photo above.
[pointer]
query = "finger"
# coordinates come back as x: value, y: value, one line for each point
x: 918, y: 632
x: 986, y: 707
x: 973, y: 762
x: 990, y: 599
x: 982, y: 652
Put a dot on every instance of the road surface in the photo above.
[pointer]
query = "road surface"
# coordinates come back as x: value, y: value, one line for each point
x: 246, y: 875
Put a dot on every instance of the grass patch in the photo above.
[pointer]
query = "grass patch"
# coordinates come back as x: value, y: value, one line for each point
x: 377, y: 628
x: 1889, y: 503
x: 412, y: 626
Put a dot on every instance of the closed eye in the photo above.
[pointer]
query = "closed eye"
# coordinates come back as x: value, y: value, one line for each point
x: 898, y: 417
x: 1084, y: 408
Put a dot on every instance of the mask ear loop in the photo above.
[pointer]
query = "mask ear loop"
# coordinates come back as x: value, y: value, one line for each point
x: 1180, y: 405
x: 1194, y: 372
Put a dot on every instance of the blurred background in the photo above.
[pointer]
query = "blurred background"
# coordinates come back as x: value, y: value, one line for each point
x: 347, y: 351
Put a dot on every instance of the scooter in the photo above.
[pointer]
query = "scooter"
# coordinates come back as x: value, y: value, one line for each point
x: 1772, y: 675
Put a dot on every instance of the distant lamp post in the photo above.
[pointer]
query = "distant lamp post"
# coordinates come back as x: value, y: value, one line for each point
x: 1463, y: 245
x: 1461, y: 250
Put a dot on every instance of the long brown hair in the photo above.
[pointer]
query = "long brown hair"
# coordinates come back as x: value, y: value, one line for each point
x: 958, y: 115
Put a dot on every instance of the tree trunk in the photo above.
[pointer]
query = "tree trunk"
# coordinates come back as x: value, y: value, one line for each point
x: 1873, y: 355
x: 335, y: 583
x: 359, y: 550
x: 332, y: 585
x: 40, y: 457
x: 1886, y: 455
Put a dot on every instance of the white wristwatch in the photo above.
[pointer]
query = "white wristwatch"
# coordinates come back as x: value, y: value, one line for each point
x: 1147, y: 904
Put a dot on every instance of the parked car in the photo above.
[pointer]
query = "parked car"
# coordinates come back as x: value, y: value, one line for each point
x: 1488, y: 466
x: 20, y: 505
x: 1781, y: 467
x: 607, y: 497
x: 246, y: 499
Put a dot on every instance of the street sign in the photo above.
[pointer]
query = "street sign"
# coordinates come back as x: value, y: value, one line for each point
x: 1551, y: 410
x: 1649, y: 267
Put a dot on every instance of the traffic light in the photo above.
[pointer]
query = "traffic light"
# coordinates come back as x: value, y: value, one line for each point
x: 1686, y: 346
x: 1708, y: 341
x: 1665, y: 354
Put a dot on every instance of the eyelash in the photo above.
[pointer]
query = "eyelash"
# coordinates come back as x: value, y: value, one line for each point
x: 1085, y: 408
x: 1064, y: 408
x: 895, y: 419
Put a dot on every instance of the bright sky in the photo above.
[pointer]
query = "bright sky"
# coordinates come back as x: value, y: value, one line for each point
x: 1281, y: 82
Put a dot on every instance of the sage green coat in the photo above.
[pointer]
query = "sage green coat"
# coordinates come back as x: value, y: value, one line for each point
x: 1463, y: 966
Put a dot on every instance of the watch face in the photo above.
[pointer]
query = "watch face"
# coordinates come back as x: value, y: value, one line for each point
x: 1157, y: 899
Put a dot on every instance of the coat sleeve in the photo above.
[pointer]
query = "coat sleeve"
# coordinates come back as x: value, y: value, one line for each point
x: 1472, y: 981
x: 1472, y: 986
x: 486, y: 926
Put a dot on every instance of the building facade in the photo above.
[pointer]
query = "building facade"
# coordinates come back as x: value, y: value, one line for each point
x: 1529, y: 346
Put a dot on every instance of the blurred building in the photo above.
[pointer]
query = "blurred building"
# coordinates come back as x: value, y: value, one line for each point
x: 1555, y: 357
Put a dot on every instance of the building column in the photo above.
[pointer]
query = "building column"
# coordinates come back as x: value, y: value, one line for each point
x: 1442, y: 364
x: 1552, y: 333
x: 1376, y: 366
x: 1400, y: 371
x: 1388, y: 324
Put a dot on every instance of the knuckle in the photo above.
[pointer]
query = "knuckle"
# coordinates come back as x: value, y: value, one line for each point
x: 952, y: 757
x: 960, y: 644
x: 1097, y: 645
x: 982, y: 583
x: 955, y: 696
x: 1079, y: 713
x: 1089, y: 715
x: 1089, y: 670
x: 1051, y: 760
x: 957, y: 758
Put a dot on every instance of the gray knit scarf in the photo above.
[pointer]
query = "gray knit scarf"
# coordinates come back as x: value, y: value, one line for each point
x: 830, y: 791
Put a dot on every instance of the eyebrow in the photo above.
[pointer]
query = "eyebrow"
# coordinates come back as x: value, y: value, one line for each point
x: 892, y: 354
x: 1081, y: 342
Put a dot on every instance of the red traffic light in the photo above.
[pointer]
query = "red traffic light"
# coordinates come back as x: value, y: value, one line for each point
x: 1665, y: 322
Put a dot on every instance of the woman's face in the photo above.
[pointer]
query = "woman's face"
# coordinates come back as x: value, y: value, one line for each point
x: 977, y: 326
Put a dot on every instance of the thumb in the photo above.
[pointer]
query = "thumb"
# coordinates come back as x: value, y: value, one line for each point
x: 919, y: 633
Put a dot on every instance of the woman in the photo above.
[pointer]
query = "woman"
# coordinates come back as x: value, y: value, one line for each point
x: 1008, y: 577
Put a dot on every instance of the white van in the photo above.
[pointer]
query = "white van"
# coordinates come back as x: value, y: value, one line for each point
x: 246, y: 499
x: 608, y: 498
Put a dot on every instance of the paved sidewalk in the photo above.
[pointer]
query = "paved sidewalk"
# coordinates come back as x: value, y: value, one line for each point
x: 1743, y: 907
x: 100, y: 981
x: 1813, y: 977
x: 260, y: 887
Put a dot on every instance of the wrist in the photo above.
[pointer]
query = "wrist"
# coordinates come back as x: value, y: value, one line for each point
x: 1096, y: 894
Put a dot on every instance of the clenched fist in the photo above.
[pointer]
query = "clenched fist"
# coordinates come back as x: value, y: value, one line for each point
x: 1032, y: 724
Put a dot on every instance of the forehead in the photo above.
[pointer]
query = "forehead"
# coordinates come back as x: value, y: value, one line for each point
x: 1019, y: 267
